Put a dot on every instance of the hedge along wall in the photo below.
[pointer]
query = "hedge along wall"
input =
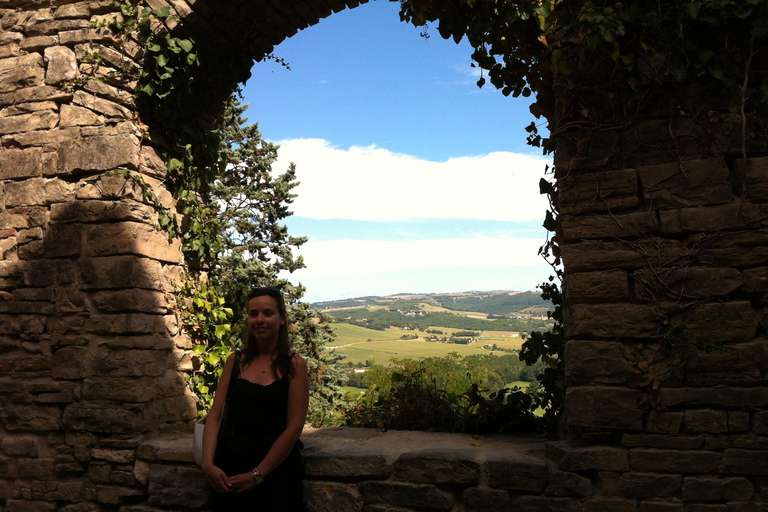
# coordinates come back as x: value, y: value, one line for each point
x: 661, y: 226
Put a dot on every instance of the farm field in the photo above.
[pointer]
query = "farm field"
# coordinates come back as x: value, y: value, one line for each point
x: 352, y: 341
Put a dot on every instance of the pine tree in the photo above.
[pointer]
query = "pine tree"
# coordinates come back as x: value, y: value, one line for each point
x: 255, y: 249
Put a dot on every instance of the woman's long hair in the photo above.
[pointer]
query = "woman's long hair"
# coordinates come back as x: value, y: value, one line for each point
x: 282, y: 363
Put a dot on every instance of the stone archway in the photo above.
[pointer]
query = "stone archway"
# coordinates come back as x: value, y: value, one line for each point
x: 93, y: 361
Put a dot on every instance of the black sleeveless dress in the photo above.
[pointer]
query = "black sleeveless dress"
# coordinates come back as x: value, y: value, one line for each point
x: 259, y: 417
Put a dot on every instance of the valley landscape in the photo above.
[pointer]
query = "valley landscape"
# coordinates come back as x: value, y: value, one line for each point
x: 487, y: 326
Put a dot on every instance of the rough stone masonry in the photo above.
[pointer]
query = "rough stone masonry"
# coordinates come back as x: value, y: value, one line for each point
x: 94, y: 410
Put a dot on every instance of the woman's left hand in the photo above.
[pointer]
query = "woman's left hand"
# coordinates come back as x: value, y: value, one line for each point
x: 242, y: 482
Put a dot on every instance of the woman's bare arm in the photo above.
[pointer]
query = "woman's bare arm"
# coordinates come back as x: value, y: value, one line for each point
x: 216, y: 476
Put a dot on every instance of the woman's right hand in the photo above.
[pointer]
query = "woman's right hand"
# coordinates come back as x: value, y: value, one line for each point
x: 217, y: 478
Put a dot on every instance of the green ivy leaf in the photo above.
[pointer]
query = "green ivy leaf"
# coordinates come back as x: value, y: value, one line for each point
x: 185, y: 45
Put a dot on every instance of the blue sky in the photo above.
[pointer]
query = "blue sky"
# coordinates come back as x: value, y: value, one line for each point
x: 412, y: 178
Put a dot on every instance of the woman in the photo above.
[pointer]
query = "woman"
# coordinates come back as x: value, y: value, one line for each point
x: 258, y: 467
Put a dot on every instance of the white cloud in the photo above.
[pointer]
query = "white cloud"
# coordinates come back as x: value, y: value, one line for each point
x: 362, y: 257
x: 370, y: 183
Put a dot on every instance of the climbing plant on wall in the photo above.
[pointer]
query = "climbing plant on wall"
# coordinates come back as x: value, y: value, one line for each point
x: 230, y: 207
x: 592, y: 65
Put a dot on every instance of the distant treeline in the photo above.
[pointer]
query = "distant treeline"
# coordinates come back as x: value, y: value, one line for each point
x: 494, y: 304
x: 380, y: 319
x: 491, y: 372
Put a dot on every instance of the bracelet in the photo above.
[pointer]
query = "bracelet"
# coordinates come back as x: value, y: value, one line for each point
x: 257, y: 476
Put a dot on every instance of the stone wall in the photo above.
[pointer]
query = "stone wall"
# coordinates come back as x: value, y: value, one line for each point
x: 663, y: 242
x: 91, y: 360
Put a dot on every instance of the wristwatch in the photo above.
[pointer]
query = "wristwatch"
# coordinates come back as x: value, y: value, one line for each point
x: 257, y: 476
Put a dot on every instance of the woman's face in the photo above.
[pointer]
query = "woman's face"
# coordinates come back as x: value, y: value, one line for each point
x: 264, y: 318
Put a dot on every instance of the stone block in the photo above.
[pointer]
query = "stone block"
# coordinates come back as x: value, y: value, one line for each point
x: 117, y: 495
x: 331, y: 497
x: 21, y: 163
x: 62, y: 65
x: 659, y: 141
x: 603, y: 504
x: 405, y: 495
x: 545, y: 504
x: 627, y: 255
x: 437, y: 467
x: 480, y: 499
x: 15, y: 505
x: 77, y: 116
x: 43, y: 120
x: 58, y: 491
x: 98, y: 472
x: 99, y: 211
x: 176, y: 409
x: 139, y: 342
x: 101, y: 418
x: 37, y: 192
x: 114, y: 456
x: 685, y: 283
x: 739, y: 365
x: 99, y: 153
x: 674, y: 461
x: 706, y: 507
x: 70, y: 363
x: 131, y: 300
x: 756, y: 280
x: 586, y: 149
x: 738, y: 421
x: 760, y: 423
x: 348, y: 463
x: 598, y: 192
x: 604, y: 407
x: 660, y: 506
x: 29, y: 251
x: 650, y: 485
x: 8, y: 468
x: 120, y: 272
x: 26, y: 417
x: 24, y: 217
x: 662, y: 441
x: 132, y: 238
x: 177, y: 486
x: 129, y: 363
x: 564, y: 483
x: 128, y: 323
x: 755, y: 175
x: 596, y: 362
x: 103, y: 106
x: 21, y: 72
x: 681, y: 184
x: 596, y: 287
x: 21, y: 324
x: 727, y: 322
x: 611, y: 321
x: 628, y: 225
x: 20, y: 445
x: 516, y: 472
x: 745, y: 462
x: 749, y: 248
x: 104, y: 90
x: 167, y: 448
x: 36, y: 469
x: 705, y: 420
x: 712, y: 218
x: 716, y: 489
x: 120, y: 390
x: 152, y: 162
x: 62, y: 240
x: 572, y: 457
